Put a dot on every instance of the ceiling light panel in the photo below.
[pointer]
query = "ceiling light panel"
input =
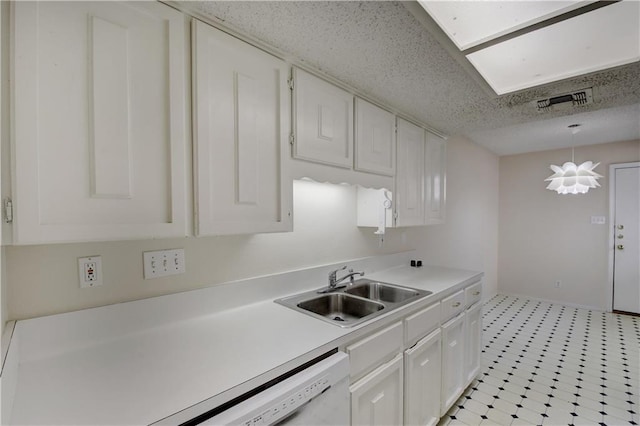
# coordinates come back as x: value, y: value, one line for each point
x: 597, y: 40
x: 470, y: 23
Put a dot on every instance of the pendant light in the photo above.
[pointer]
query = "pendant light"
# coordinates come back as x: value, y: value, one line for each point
x: 570, y: 178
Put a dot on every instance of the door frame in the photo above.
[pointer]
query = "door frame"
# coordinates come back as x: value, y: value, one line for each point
x: 612, y: 230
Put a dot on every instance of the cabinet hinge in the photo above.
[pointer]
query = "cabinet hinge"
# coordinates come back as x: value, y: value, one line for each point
x: 8, y: 210
x: 292, y: 139
x: 290, y: 83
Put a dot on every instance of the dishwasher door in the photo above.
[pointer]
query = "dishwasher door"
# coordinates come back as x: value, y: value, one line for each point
x: 317, y: 395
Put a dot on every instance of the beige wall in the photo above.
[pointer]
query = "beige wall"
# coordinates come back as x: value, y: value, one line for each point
x: 43, y: 279
x: 545, y: 237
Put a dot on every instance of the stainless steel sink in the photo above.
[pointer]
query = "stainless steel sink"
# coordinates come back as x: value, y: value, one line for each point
x: 351, y: 305
x: 341, y: 307
x: 383, y: 292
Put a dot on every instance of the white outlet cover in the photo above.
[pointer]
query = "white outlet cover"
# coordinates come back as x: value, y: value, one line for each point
x: 163, y: 262
x: 83, y: 264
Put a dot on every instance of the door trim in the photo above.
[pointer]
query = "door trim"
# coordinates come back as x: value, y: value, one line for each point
x: 612, y: 231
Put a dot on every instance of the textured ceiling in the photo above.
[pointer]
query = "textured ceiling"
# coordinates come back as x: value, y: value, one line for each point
x: 385, y: 50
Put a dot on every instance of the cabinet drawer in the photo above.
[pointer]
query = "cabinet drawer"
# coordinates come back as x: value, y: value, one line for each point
x: 452, y: 306
x: 473, y: 293
x: 419, y: 324
x: 371, y: 351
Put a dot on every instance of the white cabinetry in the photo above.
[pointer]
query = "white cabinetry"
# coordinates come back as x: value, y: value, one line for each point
x: 323, y: 123
x: 99, y: 121
x: 375, y: 134
x: 453, y: 359
x: 241, y: 129
x: 409, y: 194
x: 422, y: 381
x: 473, y: 341
x: 435, y: 179
x: 377, y: 398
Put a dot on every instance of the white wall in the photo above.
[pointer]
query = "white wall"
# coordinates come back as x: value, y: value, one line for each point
x: 43, y: 279
x: 546, y: 237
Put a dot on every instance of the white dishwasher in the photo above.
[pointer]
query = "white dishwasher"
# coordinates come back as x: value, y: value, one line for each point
x: 318, y: 394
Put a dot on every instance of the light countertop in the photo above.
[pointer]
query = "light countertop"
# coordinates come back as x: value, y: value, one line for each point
x: 142, y: 374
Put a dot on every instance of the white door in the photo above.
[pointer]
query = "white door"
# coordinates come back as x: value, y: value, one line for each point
x: 626, y: 239
x: 453, y: 374
x: 323, y: 121
x: 410, y: 175
x: 376, y: 399
x: 99, y: 127
x: 422, y: 364
x: 473, y: 342
x: 241, y: 117
x: 375, y: 139
x: 435, y: 164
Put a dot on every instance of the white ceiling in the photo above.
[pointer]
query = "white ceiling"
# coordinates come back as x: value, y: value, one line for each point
x: 395, y: 53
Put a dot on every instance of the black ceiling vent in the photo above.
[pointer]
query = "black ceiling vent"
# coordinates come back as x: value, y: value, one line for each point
x: 581, y: 97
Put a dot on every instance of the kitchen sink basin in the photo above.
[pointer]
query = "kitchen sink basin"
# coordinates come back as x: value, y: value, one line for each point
x: 341, y: 307
x: 347, y: 306
x: 383, y: 292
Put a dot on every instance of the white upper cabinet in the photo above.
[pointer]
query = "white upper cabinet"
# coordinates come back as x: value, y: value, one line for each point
x: 323, y: 121
x: 375, y: 134
x: 435, y: 179
x: 409, y: 197
x: 241, y: 136
x: 99, y: 112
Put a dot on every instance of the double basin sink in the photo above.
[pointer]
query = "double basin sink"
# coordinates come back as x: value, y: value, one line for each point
x: 355, y: 303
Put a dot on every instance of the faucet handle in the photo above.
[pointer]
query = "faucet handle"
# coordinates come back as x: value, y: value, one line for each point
x: 332, y: 274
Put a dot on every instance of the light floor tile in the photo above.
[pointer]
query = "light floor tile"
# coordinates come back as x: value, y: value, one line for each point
x: 534, y: 349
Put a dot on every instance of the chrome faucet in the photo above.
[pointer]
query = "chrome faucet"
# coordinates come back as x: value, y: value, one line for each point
x: 334, y: 281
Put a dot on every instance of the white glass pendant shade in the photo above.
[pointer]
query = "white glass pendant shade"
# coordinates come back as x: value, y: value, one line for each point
x: 573, y: 179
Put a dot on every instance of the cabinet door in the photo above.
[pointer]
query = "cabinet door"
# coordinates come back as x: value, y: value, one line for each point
x: 410, y: 175
x: 241, y: 125
x: 323, y: 123
x: 453, y: 372
x: 99, y: 121
x: 375, y: 139
x: 473, y: 342
x: 422, y: 381
x: 377, y: 398
x: 435, y: 179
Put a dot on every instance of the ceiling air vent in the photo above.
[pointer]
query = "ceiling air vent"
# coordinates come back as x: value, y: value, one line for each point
x: 581, y: 97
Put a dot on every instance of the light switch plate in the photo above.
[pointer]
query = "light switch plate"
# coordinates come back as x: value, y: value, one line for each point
x: 163, y: 262
x: 598, y: 220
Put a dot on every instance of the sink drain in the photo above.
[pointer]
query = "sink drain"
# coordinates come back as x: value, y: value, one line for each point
x: 338, y: 318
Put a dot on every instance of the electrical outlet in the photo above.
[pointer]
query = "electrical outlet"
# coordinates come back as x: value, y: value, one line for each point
x: 90, y: 271
x: 163, y: 262
x: 558, y: 283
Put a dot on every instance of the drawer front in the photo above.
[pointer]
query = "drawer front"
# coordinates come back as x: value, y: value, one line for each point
x: 419, y: 324
x: 473, y: 293
x: 452, y: 306
x: 371, y: 351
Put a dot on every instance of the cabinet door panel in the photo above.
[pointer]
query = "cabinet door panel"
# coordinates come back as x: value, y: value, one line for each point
x: 375, y: 139
x: 323, y: 121
x: 99, y: 121
x: 423, y: 381
x: 240, y: 136
x: 410, y: 175
x: 377, y: 398
x: 453, y: 358
x: 473, y: 343
x: 435, y: 179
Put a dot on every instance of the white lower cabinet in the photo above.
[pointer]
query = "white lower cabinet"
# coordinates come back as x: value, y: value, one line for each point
x: 473, y: 341
x: 377, y: 399
x: 453, y: 358
x: 422, y: 381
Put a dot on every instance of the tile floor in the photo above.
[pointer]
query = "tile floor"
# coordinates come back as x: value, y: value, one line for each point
x: 549, y: 364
